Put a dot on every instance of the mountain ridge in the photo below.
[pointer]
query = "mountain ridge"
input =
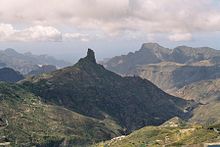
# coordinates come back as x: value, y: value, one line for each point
x: 153, y: 53
x: 25, y: 63
x: 10, y: 75
x: 88, y: 86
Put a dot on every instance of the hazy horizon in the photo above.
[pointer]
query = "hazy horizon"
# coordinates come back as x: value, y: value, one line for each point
x: 65, y: 30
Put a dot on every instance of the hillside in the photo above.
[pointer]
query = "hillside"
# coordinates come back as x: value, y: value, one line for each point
x: 9, y: 75
x: 202, y: 91
x: 206, y: 92
x: 42, y: 69
x: 175, y: 134
x: 26, y: 121
x: 89, y: 89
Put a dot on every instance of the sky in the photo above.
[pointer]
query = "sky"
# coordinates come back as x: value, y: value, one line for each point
x: 66, y: 28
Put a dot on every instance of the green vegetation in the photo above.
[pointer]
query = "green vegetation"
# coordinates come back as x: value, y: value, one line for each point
x: 32, y: 122
x: 165, y: 135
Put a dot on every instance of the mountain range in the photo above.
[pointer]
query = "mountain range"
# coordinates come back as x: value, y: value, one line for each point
x: 27, y: 62
x: 87, y: 105
x: 186, y: 72
x: 168, y: 68
x: 153, y: 53
x: 83, y: 104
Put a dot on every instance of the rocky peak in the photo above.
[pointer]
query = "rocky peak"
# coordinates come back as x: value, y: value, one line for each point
x: 87, y: 61
x: 155, y: 48
x: 90, y: 56
x: 150, y: 45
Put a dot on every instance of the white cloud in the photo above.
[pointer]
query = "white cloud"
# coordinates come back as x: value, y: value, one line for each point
x: 76, y: 36
x: 40, y: 33
x: 35, y: 33
x: 116, y: 16
x: 180, y: 37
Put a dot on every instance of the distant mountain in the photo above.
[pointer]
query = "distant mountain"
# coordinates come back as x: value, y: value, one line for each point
x: 152, y: 53
x: 170, y: 76
x: 89, y: 89
x: 148, y: 54
x: 169, y: 69
x: 42, y: 69
x: 9, y: 75
x: 24, y: 63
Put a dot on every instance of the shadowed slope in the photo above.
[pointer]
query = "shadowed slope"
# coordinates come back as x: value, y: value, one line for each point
x: 89, y: 89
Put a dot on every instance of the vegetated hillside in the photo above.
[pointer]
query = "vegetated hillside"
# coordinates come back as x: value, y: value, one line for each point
x: 9, y: 75
x: 170, y: 75
x: 173, y: 133
x: 24, y: 63
x: 42, y: 69
x: 89, y: 89
x: 152, y: 53
x: 26, y: 121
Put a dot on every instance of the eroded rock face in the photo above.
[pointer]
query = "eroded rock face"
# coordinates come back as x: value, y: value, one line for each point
x: 91, y: 56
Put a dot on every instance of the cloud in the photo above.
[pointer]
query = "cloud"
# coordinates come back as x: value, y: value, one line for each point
x: 180, y: 37
x: 35, y: 33
x: 76, y: 36
x: 114, y: 17
x: 41, y: 33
